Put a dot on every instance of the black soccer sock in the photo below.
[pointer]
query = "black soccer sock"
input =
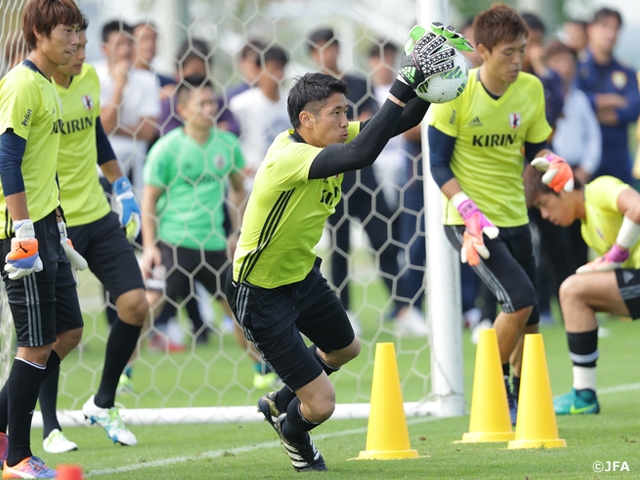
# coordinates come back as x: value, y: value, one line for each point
x: 295, y: 426
x: 516, y: 386
x: 4, y: 408
x: 583, y: 348
x: 48, y: 395
x: 122, y: 341
x: 24, y: 384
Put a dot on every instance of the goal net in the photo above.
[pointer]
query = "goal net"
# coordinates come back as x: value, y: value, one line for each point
x: 177, y: 377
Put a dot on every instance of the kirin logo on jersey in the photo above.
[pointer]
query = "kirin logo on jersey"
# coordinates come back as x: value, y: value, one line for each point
x: 87, y: 102
x: 514, y: 120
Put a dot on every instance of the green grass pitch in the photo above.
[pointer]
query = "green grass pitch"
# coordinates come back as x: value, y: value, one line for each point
x: 251, y: 450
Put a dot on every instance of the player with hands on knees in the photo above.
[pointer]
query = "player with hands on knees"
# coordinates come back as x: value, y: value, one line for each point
x: 476, y: 143
x: 609, y: 212
x: 275, y: 279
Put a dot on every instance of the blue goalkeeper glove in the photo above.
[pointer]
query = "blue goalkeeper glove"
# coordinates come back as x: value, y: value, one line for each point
x: 127, y: 208
x: 23, y: 257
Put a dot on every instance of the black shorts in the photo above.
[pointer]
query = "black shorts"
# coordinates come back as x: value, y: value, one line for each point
x: 274, y: 319
x: 510, y: 272
x: 629, y: 285
x: 45, y: 303
x: 184, y: 265
x: 109, y: 254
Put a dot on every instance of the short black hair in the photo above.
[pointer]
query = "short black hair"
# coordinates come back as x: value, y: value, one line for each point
x: 272, y: 54
x: 320, y: 37
x: 189, y: 85
x: 534, y: 22
x: 534, y: 186
x: 382, y: 47
x: 253, y: 46
x: 607, y: 13
x: 85, y: 23
x: 193, y: 48
x: 116, y: 26
x: 556, y: 47
x: 312, y: 88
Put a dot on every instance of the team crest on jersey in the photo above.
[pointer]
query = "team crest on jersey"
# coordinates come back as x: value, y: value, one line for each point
x: 87, y: 101
x: 599, y: 232
x: 219, y: 161
x: 514, y: 120
x: 619, y: 79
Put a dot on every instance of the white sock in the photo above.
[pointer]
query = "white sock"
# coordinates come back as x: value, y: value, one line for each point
x: 584, y: 377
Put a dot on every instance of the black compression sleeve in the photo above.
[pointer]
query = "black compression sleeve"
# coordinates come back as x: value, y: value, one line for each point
x: 361, y: 151
x: 440, y: 152
x: 12, y: 149
x: 532, y: 149
x: 105, y: 151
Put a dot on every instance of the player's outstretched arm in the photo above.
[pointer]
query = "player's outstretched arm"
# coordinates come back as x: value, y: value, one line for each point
x: 426, y: 58
x: 628, y: 203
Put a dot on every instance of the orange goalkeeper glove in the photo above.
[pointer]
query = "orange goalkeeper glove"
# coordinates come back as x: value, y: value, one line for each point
x: 23, y: 258
x: 476, y: 224
x: 559, y: 175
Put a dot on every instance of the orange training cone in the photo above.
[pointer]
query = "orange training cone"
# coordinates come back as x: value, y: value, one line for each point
x: 536, y: 426
x: 69, y: 472
x: 490, y: 421
x: 387, y: 433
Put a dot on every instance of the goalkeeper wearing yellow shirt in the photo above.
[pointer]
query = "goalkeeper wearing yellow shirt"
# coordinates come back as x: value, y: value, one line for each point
x: 476, y: 144
x: 37, y: 275
x: 609, y: 213
x: 97, y: 234
x: 276, y: 288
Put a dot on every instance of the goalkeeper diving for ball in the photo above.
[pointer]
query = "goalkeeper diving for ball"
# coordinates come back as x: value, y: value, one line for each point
x: 609, y: 211
x: 476, y: 144
x: 275, y: 285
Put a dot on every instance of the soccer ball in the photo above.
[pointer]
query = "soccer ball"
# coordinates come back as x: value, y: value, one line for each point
x: 444, y: 87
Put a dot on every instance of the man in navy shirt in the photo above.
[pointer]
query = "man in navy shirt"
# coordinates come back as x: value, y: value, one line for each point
x: 613, y: 91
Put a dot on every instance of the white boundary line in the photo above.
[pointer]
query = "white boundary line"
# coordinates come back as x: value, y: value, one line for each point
x: 232, y: 451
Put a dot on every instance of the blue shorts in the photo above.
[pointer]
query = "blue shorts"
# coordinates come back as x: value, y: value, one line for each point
x: 43, y: 304
x: 275, y: 318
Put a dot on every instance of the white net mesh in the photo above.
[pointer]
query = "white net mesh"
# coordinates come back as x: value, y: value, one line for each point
x: 183, y: 372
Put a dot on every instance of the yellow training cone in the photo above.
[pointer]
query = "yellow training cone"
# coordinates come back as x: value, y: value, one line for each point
x: 490, y: 421
x: 536, y: 426
x: 387, y: 433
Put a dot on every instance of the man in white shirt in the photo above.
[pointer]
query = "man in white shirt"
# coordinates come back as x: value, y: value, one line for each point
x: 129, y: 102
x: 261, y: 110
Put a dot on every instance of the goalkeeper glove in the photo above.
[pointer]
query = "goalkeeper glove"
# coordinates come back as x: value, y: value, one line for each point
x: 611, y: 260
x: 23, y: 257
x: 559, y: 175
x: 127, y: 208
x: 476, y: 224
x: 74, y: 257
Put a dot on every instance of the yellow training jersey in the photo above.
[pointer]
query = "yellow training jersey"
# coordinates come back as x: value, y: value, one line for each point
x: 30, y: 106
x: 285, y: 214
x: 487, y: 158
x: 603, y: 220
x: 81, y: 194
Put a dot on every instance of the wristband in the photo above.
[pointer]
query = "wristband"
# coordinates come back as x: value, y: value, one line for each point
x: 401, y: 90
x: 628, y: 234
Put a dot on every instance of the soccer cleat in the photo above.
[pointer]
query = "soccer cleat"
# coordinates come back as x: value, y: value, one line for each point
x: 4, y: 447
x: 30, y: 467
x: 267, y: 407
x: 512, y: 402
x: 266, y: 380
x: 304, y: 455
x: 125, y: 385
x: 577, y: 402
x: 56, y: 442
x: 109, y: 419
